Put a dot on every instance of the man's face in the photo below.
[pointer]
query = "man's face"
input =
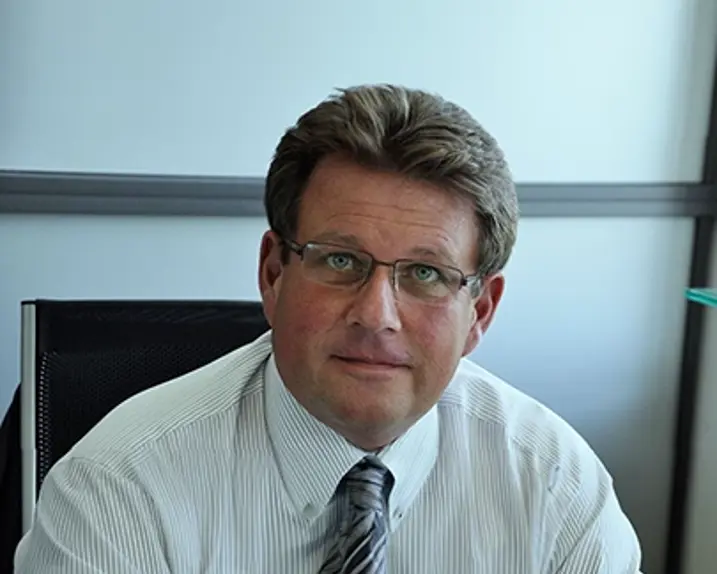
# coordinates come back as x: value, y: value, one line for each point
x: 364, y: 360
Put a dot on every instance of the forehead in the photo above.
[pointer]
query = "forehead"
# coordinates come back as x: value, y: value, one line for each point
x: 389, y: 214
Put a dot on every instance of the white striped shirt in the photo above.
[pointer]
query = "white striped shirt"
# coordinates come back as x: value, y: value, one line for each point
x: 222, y: 471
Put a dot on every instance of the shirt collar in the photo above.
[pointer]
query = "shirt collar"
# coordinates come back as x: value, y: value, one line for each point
x: 313, y: 458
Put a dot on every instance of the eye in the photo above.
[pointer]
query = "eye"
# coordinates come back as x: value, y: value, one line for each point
x: 425, y: 273
x: 341, y: 261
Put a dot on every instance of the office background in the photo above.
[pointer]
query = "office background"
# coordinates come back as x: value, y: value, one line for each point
x: 611, y: 93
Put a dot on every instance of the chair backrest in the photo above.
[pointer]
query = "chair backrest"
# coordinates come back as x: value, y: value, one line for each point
x: 80, y: 359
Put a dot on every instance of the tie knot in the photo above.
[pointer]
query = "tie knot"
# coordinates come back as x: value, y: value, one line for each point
x: 369, y: 484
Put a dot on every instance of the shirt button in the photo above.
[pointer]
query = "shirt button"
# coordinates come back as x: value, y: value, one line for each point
x: 311, y: 511
x: 398, y: 515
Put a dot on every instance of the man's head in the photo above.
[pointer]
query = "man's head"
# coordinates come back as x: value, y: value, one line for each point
x: 371, y: 176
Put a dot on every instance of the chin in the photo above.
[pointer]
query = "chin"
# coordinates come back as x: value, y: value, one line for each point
x: 369, y: 411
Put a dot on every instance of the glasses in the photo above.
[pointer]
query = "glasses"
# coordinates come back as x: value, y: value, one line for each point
x: 339, y: 266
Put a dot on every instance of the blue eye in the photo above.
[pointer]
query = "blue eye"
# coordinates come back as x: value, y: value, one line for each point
x: 426, y: 273
x: 340, y: 261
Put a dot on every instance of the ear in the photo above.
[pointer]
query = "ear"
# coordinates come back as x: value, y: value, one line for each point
x: 483, y: 310
x: 270, y: 272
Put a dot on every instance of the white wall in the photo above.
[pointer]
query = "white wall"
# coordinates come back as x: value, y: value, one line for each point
x: 575, y: 91
x: 606, y: 91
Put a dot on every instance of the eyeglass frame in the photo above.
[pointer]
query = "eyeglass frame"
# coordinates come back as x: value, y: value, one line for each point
x: 466, y: 280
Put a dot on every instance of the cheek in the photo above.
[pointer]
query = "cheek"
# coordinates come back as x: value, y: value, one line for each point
x: 304, y: 316
x: 441, y: 338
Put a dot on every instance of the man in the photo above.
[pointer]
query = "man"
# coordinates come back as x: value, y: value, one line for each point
x: 353, y: 437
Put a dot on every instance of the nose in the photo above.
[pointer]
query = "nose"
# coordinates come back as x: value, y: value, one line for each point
x: 374, y: 306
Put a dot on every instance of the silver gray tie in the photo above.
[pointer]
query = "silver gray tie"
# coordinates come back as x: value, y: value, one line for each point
x: 361, y: 545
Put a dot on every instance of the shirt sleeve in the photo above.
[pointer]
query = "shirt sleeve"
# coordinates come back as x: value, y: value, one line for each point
x: 607, y: 546
x: 89, y: 519
x: 596, y: 536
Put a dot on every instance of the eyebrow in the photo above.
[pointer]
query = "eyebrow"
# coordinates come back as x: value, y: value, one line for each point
x: 439, y: 254
x: 334, y: 236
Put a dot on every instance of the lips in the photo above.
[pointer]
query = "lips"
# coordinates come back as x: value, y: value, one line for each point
x: 382, y: 359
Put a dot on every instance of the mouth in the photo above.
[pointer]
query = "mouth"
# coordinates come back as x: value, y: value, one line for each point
x: 370, y: 364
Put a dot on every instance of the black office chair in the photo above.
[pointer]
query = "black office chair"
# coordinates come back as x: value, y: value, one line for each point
x: 80, y: 359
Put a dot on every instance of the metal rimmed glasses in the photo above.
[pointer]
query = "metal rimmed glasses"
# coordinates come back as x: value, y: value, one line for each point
x: 340, y: 266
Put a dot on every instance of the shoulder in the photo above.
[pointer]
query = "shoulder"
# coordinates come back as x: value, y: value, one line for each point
x: 202, y: 397
x: 541, y: 443
x: 541, y: 461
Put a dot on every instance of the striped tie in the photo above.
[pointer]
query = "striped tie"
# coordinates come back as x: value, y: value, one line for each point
x: 361, y: 545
